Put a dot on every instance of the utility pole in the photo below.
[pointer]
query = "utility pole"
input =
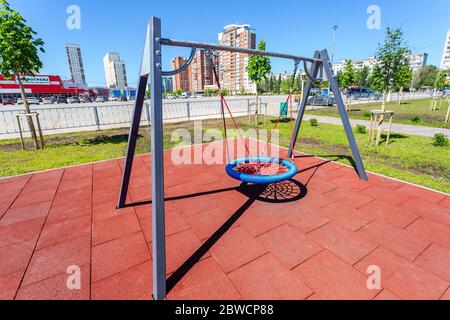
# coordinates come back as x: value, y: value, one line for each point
x: 334, y: 43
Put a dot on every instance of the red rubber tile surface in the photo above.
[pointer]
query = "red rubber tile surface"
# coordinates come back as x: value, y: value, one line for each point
x: 316, y: 241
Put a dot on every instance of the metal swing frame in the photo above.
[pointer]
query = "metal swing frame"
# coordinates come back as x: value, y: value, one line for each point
x: 151, y: 72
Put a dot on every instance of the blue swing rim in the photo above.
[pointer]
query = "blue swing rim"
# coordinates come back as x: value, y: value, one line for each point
x: 255, y: 179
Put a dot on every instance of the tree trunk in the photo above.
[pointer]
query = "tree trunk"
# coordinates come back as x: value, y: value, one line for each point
x: 28, y: 111
x: 256, y: 107
x: 400, y: 96
x: 380, y: 123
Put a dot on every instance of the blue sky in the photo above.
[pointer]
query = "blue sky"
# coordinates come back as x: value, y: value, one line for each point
x: 287, y: 26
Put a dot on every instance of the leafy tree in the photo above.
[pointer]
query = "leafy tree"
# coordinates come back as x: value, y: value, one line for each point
x: 362, y: 76
x: 258, y: 68
x: 441, y: 79
x: 403, y: 79
x: 392, y: 56
x: 19, y: 53
x: 348, y: 76
x: 425, y: 77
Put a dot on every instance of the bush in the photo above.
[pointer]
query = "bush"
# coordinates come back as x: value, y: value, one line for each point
x: 367, y: 114
x: 416, y: 119
x: 361, y: 129
x: 440, y: 140
x: 313, y: 122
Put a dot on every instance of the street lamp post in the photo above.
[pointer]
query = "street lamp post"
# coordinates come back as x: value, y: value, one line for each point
x: 334, y: 43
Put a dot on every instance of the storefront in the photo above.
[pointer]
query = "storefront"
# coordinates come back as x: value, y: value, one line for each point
x: 39, y: 86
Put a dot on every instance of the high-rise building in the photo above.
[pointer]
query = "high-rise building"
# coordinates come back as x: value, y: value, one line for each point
x: 167, y: 83
x: 232, y: 65
x: 445, y: 61
x: 418, y: 60
x: 115, y: 71
x: 201, y: 72
x: 75, y: 61
x: 181, y: 79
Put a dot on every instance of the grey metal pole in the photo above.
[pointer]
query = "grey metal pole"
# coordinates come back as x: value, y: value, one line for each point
x: 344, y: 116
x: 158, y: 222
x: 307, y: 89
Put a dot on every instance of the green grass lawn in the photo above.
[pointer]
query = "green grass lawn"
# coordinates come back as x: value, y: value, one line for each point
x: 403, y: 113
x: 410, y: 158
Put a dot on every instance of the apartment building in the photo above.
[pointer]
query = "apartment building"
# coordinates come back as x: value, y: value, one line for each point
x: 115, y: 71
x: 232, y: 65
x: 75, y: 62
x: 181, y: 80
x: 201, y: 72
x: 416, y: 61
x: 167, y: 83
x: 445, y: 61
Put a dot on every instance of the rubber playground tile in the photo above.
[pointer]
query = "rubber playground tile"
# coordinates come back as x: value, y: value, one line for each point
x: 333, y: 279
x: 399, y: 241
x: 427, y: 210
x: 180, y: 247
x: 204, y: 281
x: 75, y: 184
x: 387, y: 262
x: 59, y: 287
x: 114, y: 227
x: 421, y: 193
x: 20, y: 232
x: 69, y: 196
x: 33, y: 198
x: 118, y: 255
x: 51, y: 261
x: 55, y: 233
x: 175, y: 223
x: 446, y: 295
x: 9, y: 285
x: 380, y: 210
x: 21, y: 214
x: 436, y: 259
x: 379, y: 193
x: 69, y: 211
x: 385, y: 295
x: 307, y: 220
x: 15, y: 257
x: 343, y: 197
x: 107, y: 210
x: 35, y: 186
x: 266, y: 278
x: 236, y: 248
x: 348, y: 245
x: 414, y: 283
x: 289, y: 245
x: 431, y: 231
x: 47, y: 175
x: 344, y: 216
x: 135, y: 283
x: 257, y: 221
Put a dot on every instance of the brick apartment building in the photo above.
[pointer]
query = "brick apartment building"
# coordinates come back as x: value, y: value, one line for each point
x: 232, y: 65
x: 181, y: 80
x: 201, y: 72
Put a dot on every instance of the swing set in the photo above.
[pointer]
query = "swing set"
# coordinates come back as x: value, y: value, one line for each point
x: 256, y: 170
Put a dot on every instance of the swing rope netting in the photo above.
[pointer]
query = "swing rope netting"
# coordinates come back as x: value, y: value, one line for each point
x: 259, y: 169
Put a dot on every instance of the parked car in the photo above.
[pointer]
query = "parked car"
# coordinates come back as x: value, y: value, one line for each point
x: 123, y: 99
x: 71, y: 100
x: 7, y: 101
x: 362, y: 93
x: 86, y: 99
x: 101, y: 99
x: 48, y: 100
x: 114, y: 99
x: 321, y: 101
x: 171, y: 97
x: 61, y: 100
x: 31, y: 101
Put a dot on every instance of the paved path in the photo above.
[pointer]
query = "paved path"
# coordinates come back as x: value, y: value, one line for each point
x: 396, y: 127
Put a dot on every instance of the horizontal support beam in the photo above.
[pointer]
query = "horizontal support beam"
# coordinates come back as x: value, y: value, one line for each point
x: 199, y: 45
